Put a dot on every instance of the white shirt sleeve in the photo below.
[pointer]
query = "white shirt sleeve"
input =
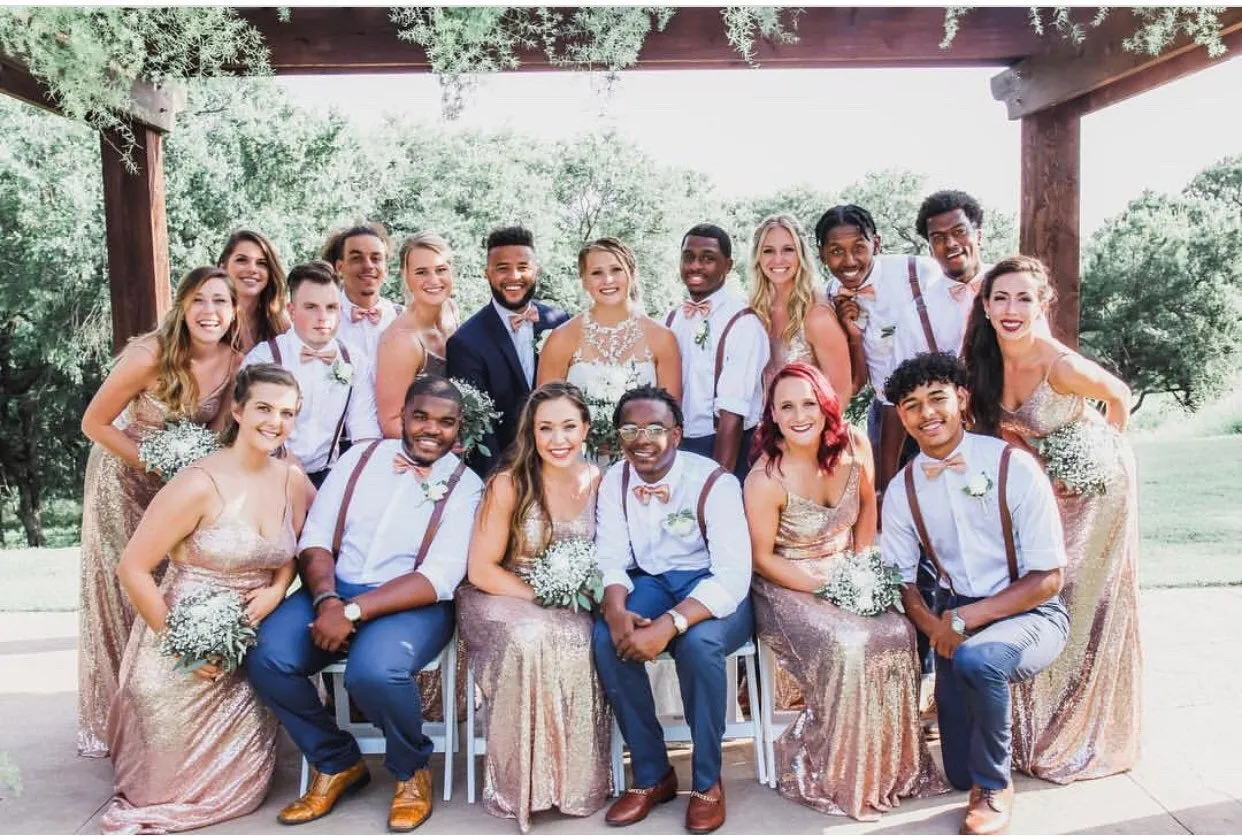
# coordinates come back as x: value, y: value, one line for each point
x: 612, y: 536
x: 445, y: 565
x: 362, y: 419
x: 320, y: 523
x: 1039, y: 536
x: 747, y: 351
x: 899, y: 541
x: 728, y: 544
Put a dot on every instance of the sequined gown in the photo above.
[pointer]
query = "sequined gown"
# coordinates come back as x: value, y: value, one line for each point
x: 548, y: 724
x: 114, y: 498
x: 856, y: 747
x: 189, y: 752
x: 797, y: 350
x: 1080, y: 718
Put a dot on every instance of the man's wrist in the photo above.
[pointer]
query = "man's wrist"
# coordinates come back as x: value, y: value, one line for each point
x: 324, y: 597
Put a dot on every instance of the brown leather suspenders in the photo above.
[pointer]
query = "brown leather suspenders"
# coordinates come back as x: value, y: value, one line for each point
x: 334, y: 451
x: 920, y: 304
x: 720, y: 351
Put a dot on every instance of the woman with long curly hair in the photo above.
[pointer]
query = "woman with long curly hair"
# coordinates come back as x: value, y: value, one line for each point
x: 534, y: 664
x: 182, y: 370
x: 857, y: 747
x: 1080, y: 717
x: 255, y: 270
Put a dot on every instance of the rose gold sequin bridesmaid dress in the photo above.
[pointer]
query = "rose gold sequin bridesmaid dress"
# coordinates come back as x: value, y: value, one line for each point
x: 857, y: 746
x: 548, y: 723
x: 189, y: 752
x: 113, y: 500
x: 1080, y: 718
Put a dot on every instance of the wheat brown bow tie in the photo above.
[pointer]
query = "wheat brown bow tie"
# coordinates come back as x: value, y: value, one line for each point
x: 691, y: 309
x: 960, y: 290
x: 401, y: 464
x: 646, y: 493
x: 308, y: 354
x: 517, y: 320
x: 932, y: 470
x: 371, y: 315
x: 865, y: 292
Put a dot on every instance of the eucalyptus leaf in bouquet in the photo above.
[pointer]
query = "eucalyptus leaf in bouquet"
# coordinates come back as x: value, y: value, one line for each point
x: 180, y: 443
x: 567, y: 575
x: 208, y: 626
x: 863, y: 583
x: 1079, y: 455
x: 478, y: 416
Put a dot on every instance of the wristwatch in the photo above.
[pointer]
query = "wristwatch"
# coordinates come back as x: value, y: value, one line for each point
x: 679, y: 622
x: 352, y: 611
x: 957, y: 623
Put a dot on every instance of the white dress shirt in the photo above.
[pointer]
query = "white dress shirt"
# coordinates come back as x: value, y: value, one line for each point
x: 741, y: 377
x: 647, y: 544
x: 388, y: 518
x: 323, y: 398
x: 965, y: 530
x: 362, y: 333
x: 947, y: 316
x: 890, y: 276
x: 523, y: 341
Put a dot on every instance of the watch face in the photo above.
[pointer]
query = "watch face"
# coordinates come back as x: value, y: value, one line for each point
x: 353, y: 612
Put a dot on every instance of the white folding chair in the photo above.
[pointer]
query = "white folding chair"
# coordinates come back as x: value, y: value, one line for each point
x: 735, y: 726
x: 476, y: 743
x: 371, y: 740
x: 773, y: 724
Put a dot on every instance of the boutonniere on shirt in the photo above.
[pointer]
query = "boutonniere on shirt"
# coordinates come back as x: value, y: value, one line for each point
x: 341, y: 372
x: 680, y: 523
x: 701, y: 336
x: 434, y: 491
x: 978, y: 486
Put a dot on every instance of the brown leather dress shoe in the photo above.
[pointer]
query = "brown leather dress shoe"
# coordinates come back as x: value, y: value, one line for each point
x: 706, y: 811
x: 636, y: 802
x: 411, y: 803
x: 325, y: 790
x: 988, y: 811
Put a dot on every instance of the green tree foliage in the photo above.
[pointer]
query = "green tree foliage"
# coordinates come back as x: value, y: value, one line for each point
x: 1221, y: 183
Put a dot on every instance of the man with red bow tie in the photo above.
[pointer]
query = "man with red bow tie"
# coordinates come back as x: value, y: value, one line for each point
x: 674, y: 551
x: 337, y: 381
x: 985, y: 516
x: 360, y: 255
x: 381, y: 554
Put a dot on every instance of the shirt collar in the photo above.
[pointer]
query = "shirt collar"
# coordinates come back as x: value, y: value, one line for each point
x: 504, y: 313
x: 962, y: 447
x: 382, y: 304
x: 671, y: 478
x: 441, y: 468
x: 296, y: 343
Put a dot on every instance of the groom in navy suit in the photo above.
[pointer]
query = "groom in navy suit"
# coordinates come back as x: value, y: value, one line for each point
x: 495, y: 349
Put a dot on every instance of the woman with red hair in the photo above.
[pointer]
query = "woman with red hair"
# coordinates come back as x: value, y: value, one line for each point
x: 857, y: 747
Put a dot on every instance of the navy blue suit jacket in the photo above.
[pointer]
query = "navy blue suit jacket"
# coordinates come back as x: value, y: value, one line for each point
x: 481, y: 353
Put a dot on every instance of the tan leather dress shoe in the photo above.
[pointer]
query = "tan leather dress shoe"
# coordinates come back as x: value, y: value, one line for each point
x: 988, y: 811
x: 325, y: 790
x: 411, y: 803
x: 706, y: 811
x: 636, y: 802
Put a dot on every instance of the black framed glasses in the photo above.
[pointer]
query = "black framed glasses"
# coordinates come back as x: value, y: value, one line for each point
x: 653, y: 432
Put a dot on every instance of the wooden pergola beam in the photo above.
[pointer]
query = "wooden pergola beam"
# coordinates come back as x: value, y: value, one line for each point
x: 1088, y: 70
x: 152, y: 105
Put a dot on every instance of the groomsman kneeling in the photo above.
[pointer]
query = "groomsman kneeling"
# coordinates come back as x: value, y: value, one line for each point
x: 675, y: 555
x: 378, y: 572
x: 985, y: 515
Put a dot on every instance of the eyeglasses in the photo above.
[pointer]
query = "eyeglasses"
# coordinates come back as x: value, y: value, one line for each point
x: 653, y: 432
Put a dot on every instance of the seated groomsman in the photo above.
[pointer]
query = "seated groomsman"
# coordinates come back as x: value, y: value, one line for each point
x: 361, y: 256
x: 338, y: 384
x: 987, y: 519
x: 675, y: 555
x: 383, y: 549
x: 724, y: 348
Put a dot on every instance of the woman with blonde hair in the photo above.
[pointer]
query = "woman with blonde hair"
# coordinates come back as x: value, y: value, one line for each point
x: 785, y: 295
x: 414, y: 343
x: 182, y: 371
x: 255, y: 270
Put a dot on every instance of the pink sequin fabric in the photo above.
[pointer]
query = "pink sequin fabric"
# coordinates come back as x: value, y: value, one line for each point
x: 189, y: 752
x: 797, y: 350
x: 113, y: 501
x: 548, y: 724
x: 1080, y: 718
x: 856, y: 748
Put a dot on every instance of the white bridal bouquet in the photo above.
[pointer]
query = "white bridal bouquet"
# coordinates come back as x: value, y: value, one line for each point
x: 180, y: 443
x: 602, y: 395
x: 478, y: 416
x: 863, y: 583
x: 1078, y: 455
x: 567, y: 575
x: 208, y: 626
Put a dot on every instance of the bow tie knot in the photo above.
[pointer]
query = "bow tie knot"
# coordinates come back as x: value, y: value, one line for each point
x: 964, y: 290
x: 403, y: 464
x: 933, y: 469
x: 326, y: 355
x: 646, y: 493
x: 371, y: 314
x: 691, y: 309
x: 517, y: 320
x: 867, y: 291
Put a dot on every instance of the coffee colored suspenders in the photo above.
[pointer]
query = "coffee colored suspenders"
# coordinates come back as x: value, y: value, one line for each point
x: 433, y: 524
x: 699, y: 512
x: 912, y: 270
x: 720, y: 351
x: 1011, y: 551
x: 335, y: 451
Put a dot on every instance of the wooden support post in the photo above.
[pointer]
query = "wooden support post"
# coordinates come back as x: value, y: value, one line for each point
x: 137, y: 233
x: 1050, y: 206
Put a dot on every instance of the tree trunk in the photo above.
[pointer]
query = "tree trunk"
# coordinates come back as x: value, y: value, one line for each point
x: 29, y: 499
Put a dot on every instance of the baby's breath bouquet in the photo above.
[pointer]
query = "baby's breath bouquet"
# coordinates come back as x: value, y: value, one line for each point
x: 863, y: 583
x: 478, y: 416
x: 208, y: 626
x: 1078, y: 455
x: 180, y: 443
x: 567, y: 575
x: 602, y: 395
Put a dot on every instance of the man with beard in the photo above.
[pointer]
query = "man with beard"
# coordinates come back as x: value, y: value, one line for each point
x: 381, y: 554
x: 360, y: 255
x: 494, y: 350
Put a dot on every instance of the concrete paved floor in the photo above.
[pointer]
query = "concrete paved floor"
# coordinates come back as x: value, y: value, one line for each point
x: 1189, y: 781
